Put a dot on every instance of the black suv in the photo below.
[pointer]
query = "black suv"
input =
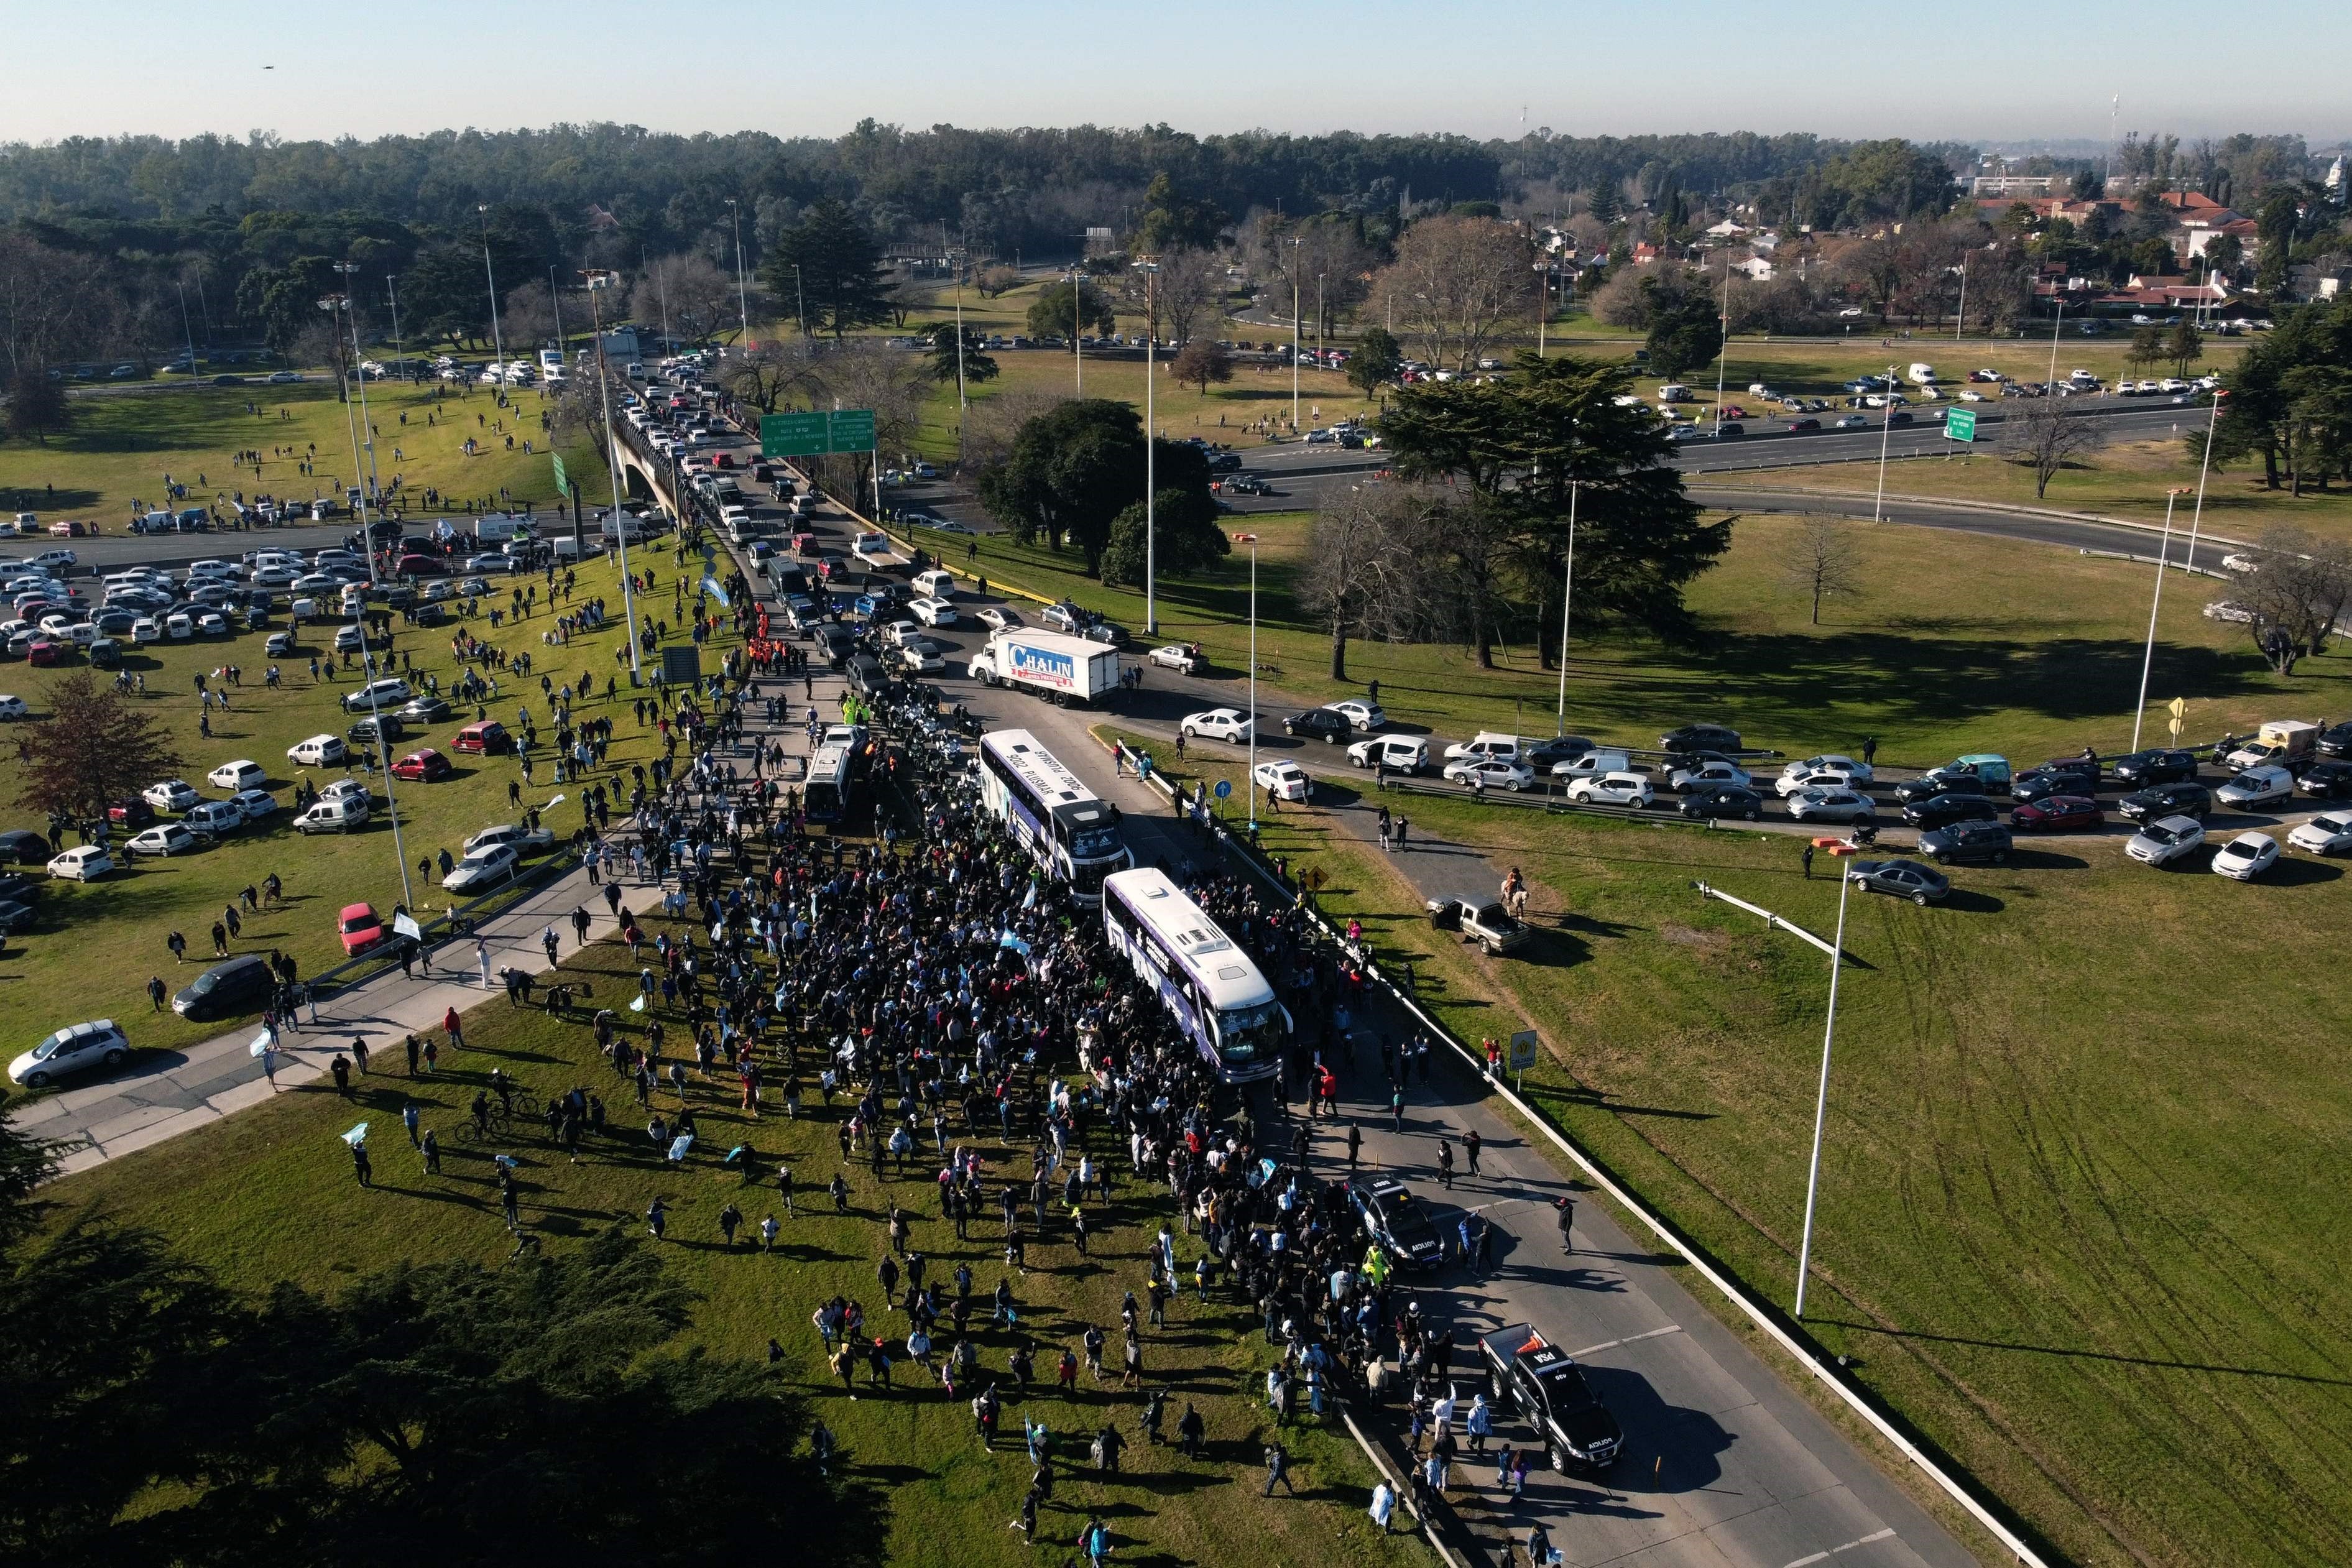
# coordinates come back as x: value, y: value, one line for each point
x: 2167, y: 800
x: 1943, y: 810
x: 2141, y: 769
x: 1966, y: 841
x: 1700, y: 737
x: 236, y: 987
x: 382, y: 727
x: 1929, y: 785
x: 1396, y: 1222
x: 1321, y: 723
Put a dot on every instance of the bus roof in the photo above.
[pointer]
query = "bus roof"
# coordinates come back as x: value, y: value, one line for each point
x: 1225, y: 974
x: 1040, y: 769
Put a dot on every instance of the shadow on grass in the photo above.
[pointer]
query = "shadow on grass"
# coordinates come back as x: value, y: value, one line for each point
x: 2111, y: 1356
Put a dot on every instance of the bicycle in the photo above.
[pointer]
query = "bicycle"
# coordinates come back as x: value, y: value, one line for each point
x: 494, y: 1132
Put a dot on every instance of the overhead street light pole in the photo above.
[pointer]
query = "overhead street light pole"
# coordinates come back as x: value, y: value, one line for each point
x: 350, y: 270
x: 1250, y: 783
x: 384, y: 753
x: 497, y: 341
x: 1295, y: 241
x: 1150, y: 455
x: 597, y: 283
x: 331, y: 304
x: 742, y: 292
x: 2147, y: 658
x: 1886, y: 436
x: 1567, y: 605
x: 1822, y: 1101
x: 2204, y: 466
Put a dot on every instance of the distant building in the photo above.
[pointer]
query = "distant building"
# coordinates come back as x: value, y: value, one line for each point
x: 2014, y: 185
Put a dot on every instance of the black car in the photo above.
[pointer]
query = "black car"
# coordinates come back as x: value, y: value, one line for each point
x: 1700, y: 737
x: 382, y: 727
x: 1984, y: 841
x: 1396, y: 1222
x: 1804, y: 424
x: 14, y: 917
x: 2141, y: 769
x: 1898, y: 418
x: 23, y: 847
x: 1544, y: 1386
x: 1909, y: 879
x: 231, y: 987
x: 1943, y: 810
x: 1546, y: 754
x: 1321, y: 723
x: 1225, y: 462
x: 24, y: 890
x: 2336, y: 741
x: 1928, y: 785
x: 2325, y: 781
x: 426, y: 709
x: 1727, y: 432
x: 2167, y: 800
x: 1711, y: 805
x: 2042, y: 784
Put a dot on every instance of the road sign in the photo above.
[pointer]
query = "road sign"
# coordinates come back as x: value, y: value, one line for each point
x: 681, y: 665
x: 1522, y: 1054
x: 1960, y: 425
x: 813, y: 435
x: 2179, y: 708
x: 1225, y: 788
x: 562, y: 480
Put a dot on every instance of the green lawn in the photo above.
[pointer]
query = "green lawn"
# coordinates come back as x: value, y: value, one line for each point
x: 97, y: 943
x: 2077, y: 1223
x: 268, y: 1195
x: 122, y: 445
x: 1957, y: 644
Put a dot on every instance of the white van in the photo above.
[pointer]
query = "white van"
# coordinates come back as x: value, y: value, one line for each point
x: 1487, y: 745
x: 338, y: 816
x: 1592, y: 765
x: 934, y: 585
x: 318, y: 751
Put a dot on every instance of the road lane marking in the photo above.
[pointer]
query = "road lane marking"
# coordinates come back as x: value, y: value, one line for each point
x: 1634, y: 1339
x: 1825, y: 1556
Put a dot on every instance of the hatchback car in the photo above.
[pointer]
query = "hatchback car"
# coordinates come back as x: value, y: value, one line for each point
x: 1923, y: 885
x: 77, y: 1048
x: 2161, y: 842
x: 1286, y: 780
x: 1325, y: 724
x: 1626, y: 789
x: 1217, y: 724
x: 358, y: 928
x: 1941, y: 810
x: 1837, y: 803
x: 1722, y: 803
x: 1700, y: 737
x: 239, y: 774
x: 253, y: 804
x: 1988, y: 842
x: 2142, y: 769
x: 483, y: 867
x: 1712, y: 774
x: 486, y: 739
x: 167, y: 839
x: 1490, y: 773
x: 422, y: 766
x: 171, y: 795
x: 1364, y: 716
x: 2246, y: 856
x: 318, y: 751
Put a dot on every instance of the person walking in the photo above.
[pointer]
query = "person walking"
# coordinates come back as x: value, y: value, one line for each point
x: 1277, y: 1470
x: 1567, y: 1208
x: 1807, y: 858
x: 1471, y: 1145
x: 658, y: 1218
x: 1383, y: 1505
x: 1188, y: 1430
x: 430, y: 1147
x: 454, y: 1028
x: 1446, y: 1163
x: 362, y: 1166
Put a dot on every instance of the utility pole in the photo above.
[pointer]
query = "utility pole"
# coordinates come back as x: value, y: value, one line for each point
x: 1822, y: 1101
x: 1885, y: 435
x: 498, y: 343
x: 1150, y: 455
x: 742, y: 292
x: 1295, y: 241
x: 349, y: 270
x: 398, y: 354
x: 597, y: 283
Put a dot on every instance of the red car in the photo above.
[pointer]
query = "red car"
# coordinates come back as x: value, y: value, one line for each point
x: 414, y: 565
x: 131, y: 812
x: 486, y: 739
x: 359, y: 927
x: 44, y: 652
x: 427, y: 766
x: 2058, y: 812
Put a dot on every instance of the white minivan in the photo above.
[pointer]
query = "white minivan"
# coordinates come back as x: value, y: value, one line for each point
x: 935, y: 584
x: 339, y: 815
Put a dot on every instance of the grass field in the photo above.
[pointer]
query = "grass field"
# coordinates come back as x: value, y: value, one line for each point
x: 96, y: 943
x: 2024, y: 656
x: 2076, y: 1221
x: 269, y: 1195
x: 122, y: 445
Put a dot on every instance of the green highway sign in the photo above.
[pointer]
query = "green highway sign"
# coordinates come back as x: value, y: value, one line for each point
x: 853, y: 430
x: 813, y: 435
x: 1960, y: 425
x: 562, y: 483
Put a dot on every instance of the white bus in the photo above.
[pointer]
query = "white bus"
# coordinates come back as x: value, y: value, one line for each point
x: 1054, y: 816
x: 826, y: 794
x: 1206, y: 981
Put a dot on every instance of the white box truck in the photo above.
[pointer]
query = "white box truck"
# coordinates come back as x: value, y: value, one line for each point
x: 1061, y: 669
x: 1923, y: 373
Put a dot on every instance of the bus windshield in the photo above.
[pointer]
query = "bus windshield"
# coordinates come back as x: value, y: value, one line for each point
x: 1094, y: 843
x: 1250, y: 1034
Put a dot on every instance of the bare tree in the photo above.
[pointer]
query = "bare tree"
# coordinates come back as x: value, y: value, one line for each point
x: 770, y: 376
x: 2047, y: 437
x: 1457, y: 282
x: 991, y: 422
x: 864, y: 372
x: 1199, y: 364
x: 692, y: 294
x: 530, y: 315
x: 1820, y: 561
x: 2297, y: 594
x: 993, y: 280
x: 1361, y: 577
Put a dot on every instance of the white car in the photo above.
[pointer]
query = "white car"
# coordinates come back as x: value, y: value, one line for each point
x: 219, y: 817
x: 254, y: 803
x: 1833, y: 803
x: 347, y: 789
x: 1289, y: 781
x: 2324, y: 836
x: 514, y: 835
x: 275, y: 577
x: 1173, y: 656
x: 1612, y: 789
x: 1364, y: 716
x: 2246, y: 856
x: 1829, y: 762
x: 483, y: 867
x: 898, y: 634
x: 1707, y: 775
x: 87, y: 864
x: 1398, y: 754
x: 933, y: 612
x: 1217, y: 724
x: 1489, y: 772
x: 921, y: 655
x: 2258, y: 788
x: 1788, y: 785
x: 236, y: 775
x: 2165, y: 840
x: 171, y: 795
x: 1592, y: 765
x: 13, y: 708
x: 318, y: 751
x: 75, y: 1048
x: 166, y: 839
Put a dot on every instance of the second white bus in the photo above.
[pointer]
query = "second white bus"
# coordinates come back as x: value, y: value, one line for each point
x: 1209, y: 986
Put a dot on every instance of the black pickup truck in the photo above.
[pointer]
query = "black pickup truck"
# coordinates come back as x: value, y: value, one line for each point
x: 1543, y: 1387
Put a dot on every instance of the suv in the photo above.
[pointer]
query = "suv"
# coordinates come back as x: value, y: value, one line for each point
x: 1321, y: 724
x: 1968, y: 841
x: 2166, y: 800
x: 2141, y: 769
x: 225, y: 988
x: 1396, y: 1222
x: 1545, y: 1386
x: 1700, y: 737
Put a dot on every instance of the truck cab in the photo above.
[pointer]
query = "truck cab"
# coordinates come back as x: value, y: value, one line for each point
x: 1545, y: 1387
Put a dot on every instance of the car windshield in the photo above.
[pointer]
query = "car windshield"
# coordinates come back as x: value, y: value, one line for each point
x: 2162, y: 835
x: 2328, y: 824
x: 1570, y: 1391
x: 49, y: 1047
x: 357, y: 922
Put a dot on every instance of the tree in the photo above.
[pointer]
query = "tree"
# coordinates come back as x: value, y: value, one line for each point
x: 1173, y: 222
x: 92, y: 750
x: 38, y: 406
x: 1685, y: 330
x: 1820, y: 561
x: 285, y: 300
x: 2184, y: 345
x: 829, y: 259
x: 973, y: 366
x: 1073, y: 469
x: 1199, y: 362
x: 2298, y: 594
x: 1362, y: 575
x: 1056, y: 315
x: 865, y: 373
x: 2047, y: 437
x: 1457, y: 282
x: 1179, y: 538
x: 2147, y: 347
x: 770, y: 376
x: 443, y: 294
x: 687, y: 295
x: 993, y: 280
x: 1190, y: 285
x: 1376, y: 362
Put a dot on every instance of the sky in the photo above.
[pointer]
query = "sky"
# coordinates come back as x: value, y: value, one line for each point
x: 1979, y: 70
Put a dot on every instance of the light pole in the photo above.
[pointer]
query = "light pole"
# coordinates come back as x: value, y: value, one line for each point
x: 350, y: 270
x: 555, y: 299
x: 597, y: 283
x: 1295, y: 241
x: 331, y: 304
x: 383, y: 753
x: 1723, y: 352
x: 1886, y: 436
x: 189, y: 328
x: 1566, y: 603
x: 742, y: 292
x: 399, y: 354
x: 1250, y: 783
x: 1960, y: 319
x: 2147, y: 659
x: 799, y: 298
x: 498, y: 343
x: 1150, y: 454
x: 2049, y: 387
x: 1822, y: 1102
x: 1077, y: 329
x: 2204, y: 466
